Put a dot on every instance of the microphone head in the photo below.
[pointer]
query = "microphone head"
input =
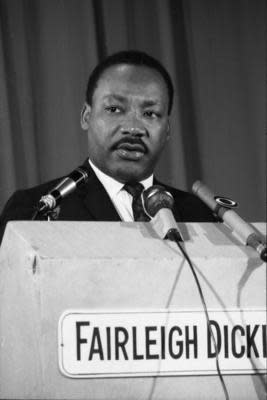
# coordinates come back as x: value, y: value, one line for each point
x: 155, y: 198
x: 79, y: 175
x: 196, y: 186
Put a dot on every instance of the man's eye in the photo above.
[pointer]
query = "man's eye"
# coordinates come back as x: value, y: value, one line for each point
x: 113, y: 109
x: 151, y: 114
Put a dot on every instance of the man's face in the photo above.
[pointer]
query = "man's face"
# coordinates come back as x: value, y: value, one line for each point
x: 128, y: 122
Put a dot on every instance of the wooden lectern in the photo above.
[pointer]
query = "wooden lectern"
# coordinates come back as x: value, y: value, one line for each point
x: 78, y: 300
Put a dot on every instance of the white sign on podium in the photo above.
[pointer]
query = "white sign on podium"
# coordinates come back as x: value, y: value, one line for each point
x: 166, y: 342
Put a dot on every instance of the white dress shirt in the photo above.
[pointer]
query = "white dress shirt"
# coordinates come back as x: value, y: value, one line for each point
x: 121, y: 199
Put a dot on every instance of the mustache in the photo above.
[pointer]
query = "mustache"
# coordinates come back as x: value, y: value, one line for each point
x: 132, y: 141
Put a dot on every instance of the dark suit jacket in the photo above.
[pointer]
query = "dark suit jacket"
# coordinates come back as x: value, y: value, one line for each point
x: 91, y: 202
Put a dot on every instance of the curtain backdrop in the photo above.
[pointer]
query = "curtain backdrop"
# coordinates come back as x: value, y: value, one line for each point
x: 214, y: 50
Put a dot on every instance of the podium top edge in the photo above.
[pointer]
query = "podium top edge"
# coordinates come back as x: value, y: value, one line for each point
x: 74, y: 239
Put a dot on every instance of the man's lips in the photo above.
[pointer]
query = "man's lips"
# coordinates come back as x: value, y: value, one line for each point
x: 130, y: 149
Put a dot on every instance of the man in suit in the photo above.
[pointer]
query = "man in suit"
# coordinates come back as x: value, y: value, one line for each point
x: 126, y: 115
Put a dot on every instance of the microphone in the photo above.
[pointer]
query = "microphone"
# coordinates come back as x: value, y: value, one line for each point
x: 158, y: 204
x: 221, y: 206
x: 53, y: 198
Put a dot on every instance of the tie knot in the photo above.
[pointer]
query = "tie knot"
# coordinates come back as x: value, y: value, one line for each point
x: 134, y: 188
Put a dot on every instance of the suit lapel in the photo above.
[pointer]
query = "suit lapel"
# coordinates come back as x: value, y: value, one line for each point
x: 96, y: 199
x: 98, y: 203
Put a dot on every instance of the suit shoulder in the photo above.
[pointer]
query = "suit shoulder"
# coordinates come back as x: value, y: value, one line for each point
x: 31, y: 195
x: 21, y: 203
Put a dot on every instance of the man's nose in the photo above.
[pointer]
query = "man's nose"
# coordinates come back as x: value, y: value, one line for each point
x: 133, y: 127
x: 133, y: 130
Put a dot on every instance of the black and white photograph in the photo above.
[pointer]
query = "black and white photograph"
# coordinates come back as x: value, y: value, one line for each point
x: 133, y: 199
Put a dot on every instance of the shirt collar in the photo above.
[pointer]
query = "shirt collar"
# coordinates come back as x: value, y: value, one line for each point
x: 112, y: 186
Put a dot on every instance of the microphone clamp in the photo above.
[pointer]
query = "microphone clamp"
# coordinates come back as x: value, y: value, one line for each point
x: 46, y: 203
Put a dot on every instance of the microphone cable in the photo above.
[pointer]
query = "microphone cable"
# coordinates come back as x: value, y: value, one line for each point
x: 35, y: 214
x: 158, y: 204
x: 174, y: 236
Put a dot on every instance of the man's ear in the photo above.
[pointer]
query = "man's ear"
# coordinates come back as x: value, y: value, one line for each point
x: 168, y: 131
x: 85, y: 116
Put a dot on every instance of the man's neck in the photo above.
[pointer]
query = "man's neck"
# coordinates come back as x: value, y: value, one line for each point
x: 108, y: 180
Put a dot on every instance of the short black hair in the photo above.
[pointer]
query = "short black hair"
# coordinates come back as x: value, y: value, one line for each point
x: 130, y: 57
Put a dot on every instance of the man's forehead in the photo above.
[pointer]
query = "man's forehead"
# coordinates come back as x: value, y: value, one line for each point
x: 133, y: 73
x: 122, y: 79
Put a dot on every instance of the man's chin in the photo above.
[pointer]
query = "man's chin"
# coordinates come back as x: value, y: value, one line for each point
x: 131, y: 172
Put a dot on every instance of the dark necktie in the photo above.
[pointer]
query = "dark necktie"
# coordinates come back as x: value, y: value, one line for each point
x: 135, y: 189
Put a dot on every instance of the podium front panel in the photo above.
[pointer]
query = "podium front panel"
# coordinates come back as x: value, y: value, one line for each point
x: 48, y: 268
